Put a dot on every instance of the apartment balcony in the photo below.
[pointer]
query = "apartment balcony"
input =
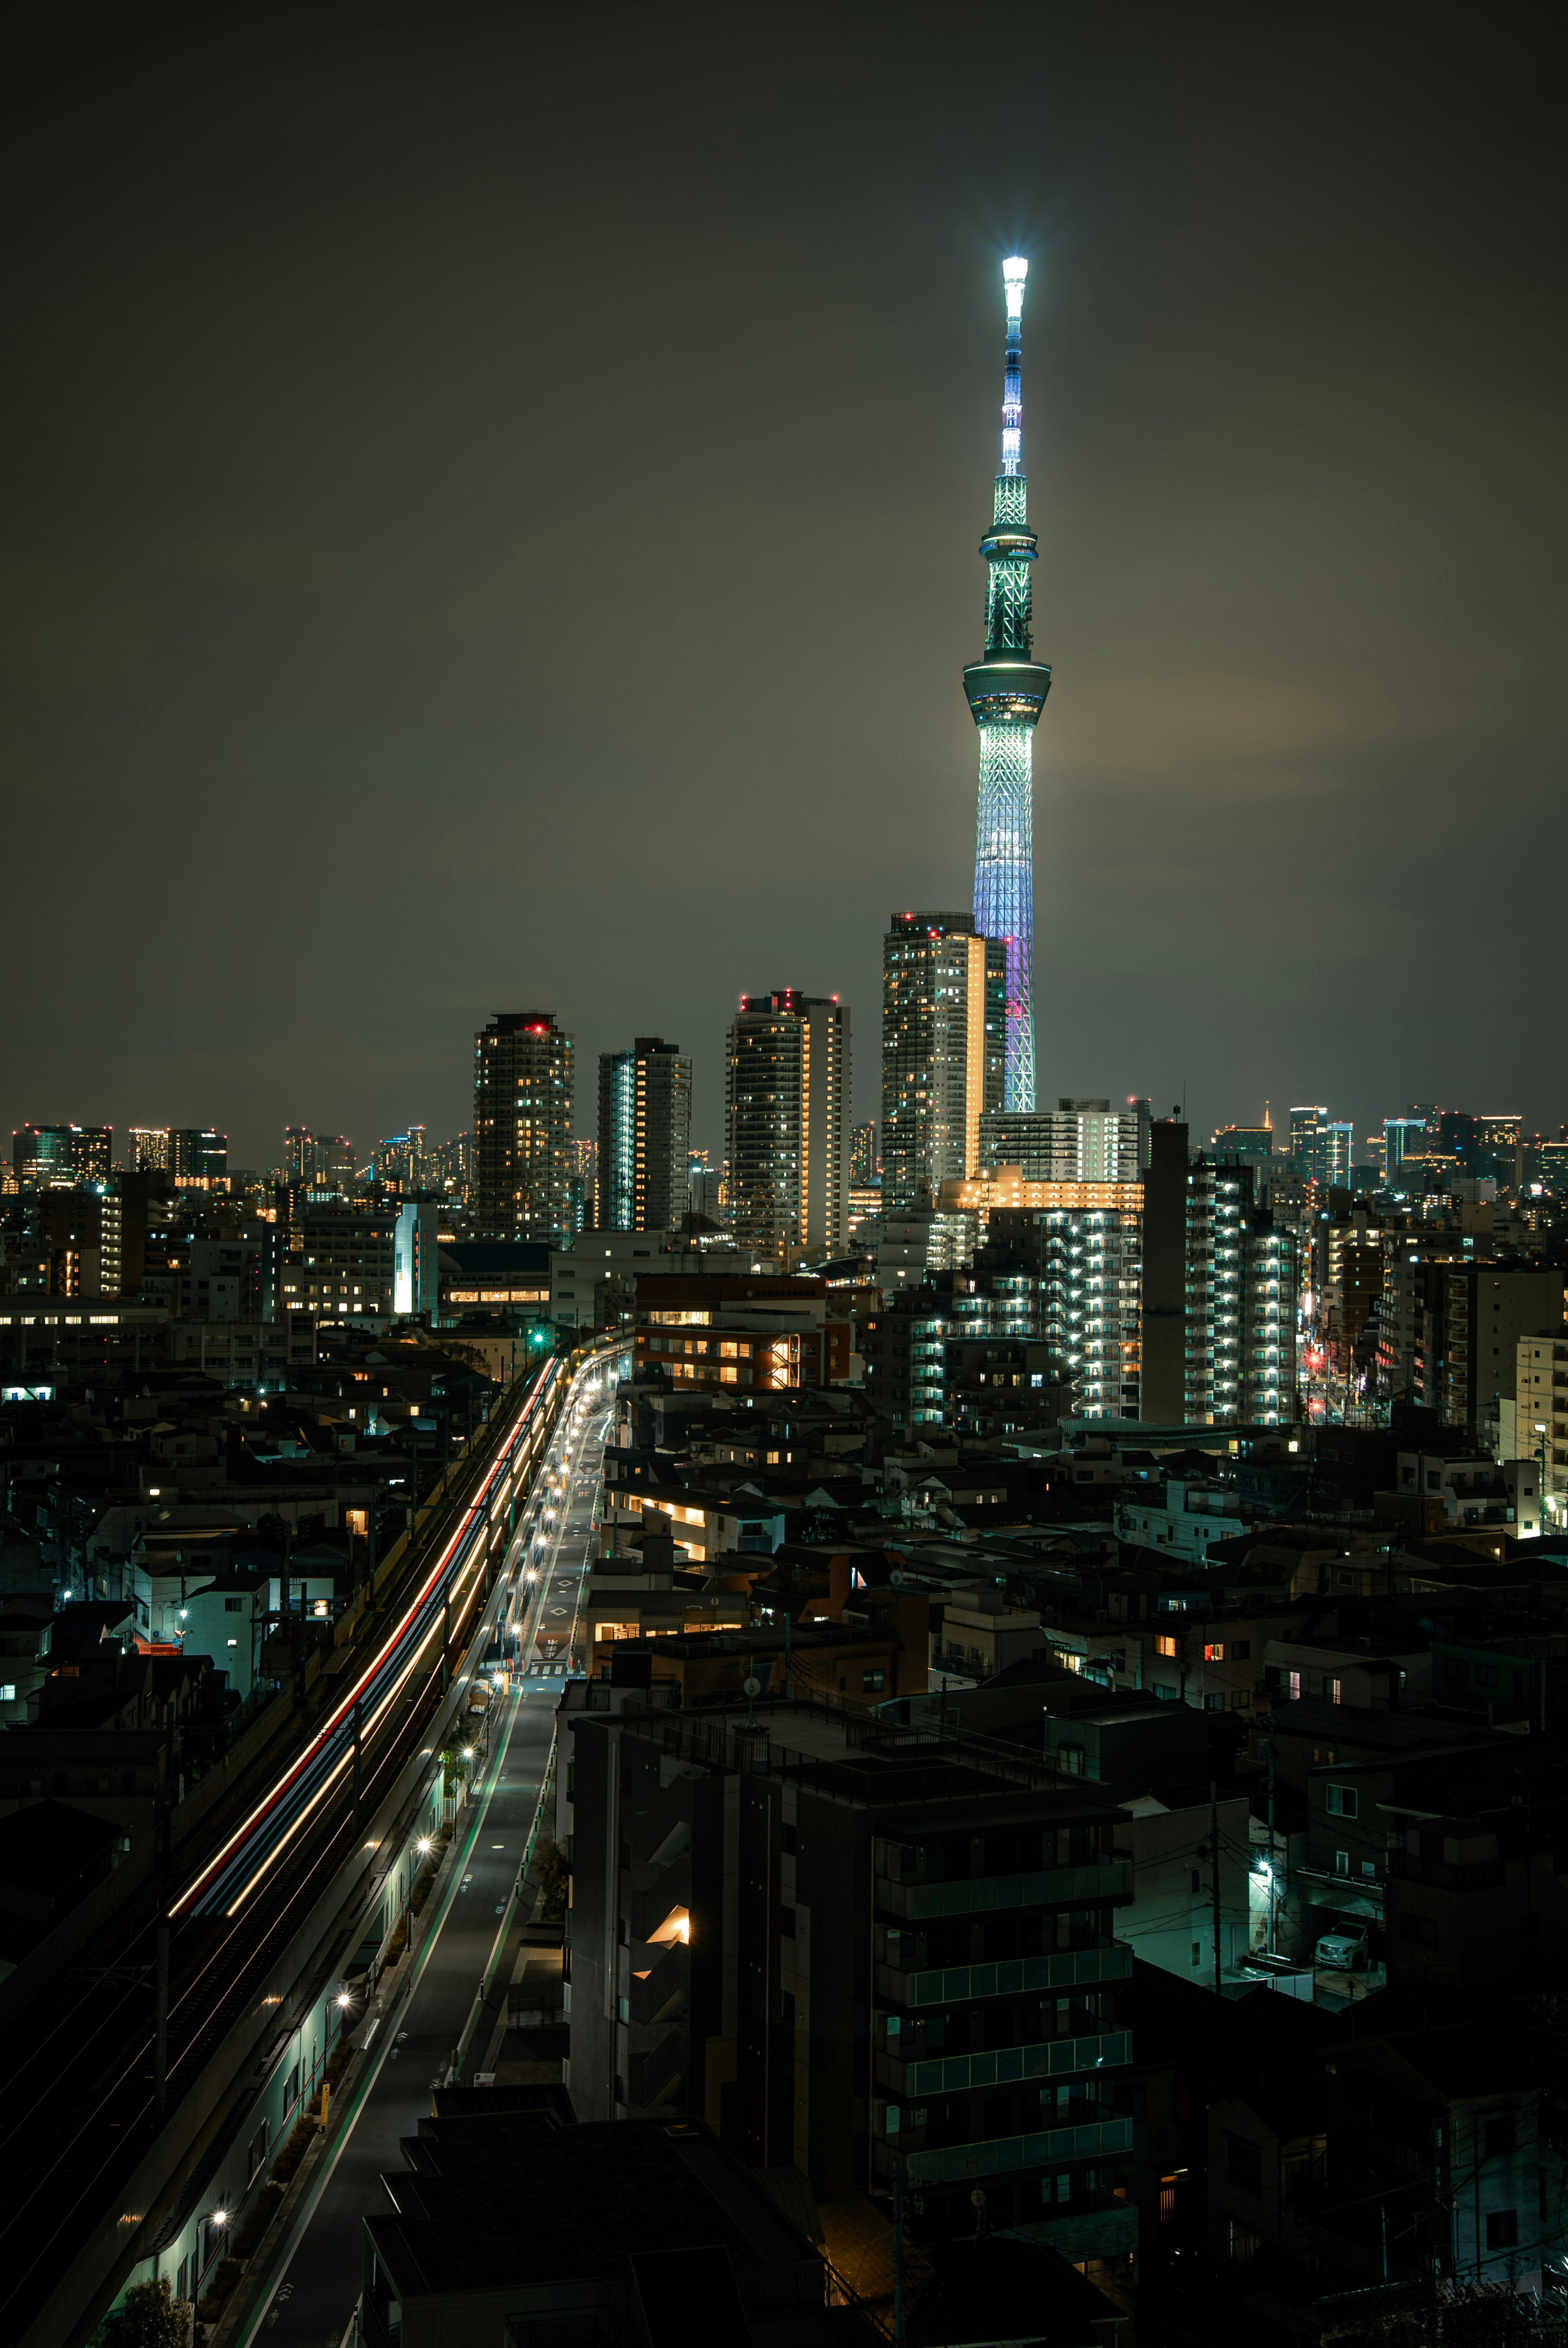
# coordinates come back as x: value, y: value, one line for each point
x: 1064, y: 1969
x: 652, y: 1902
x: 662, y: 1992
x: 1004, y: 2156
x: 986, y: 1895
x: 1050, y: 2058
x: 1442, y: 1875
x: 657, y: 2076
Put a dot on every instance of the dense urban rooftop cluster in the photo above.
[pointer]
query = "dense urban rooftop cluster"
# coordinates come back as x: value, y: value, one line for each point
x: 1117, y: 1583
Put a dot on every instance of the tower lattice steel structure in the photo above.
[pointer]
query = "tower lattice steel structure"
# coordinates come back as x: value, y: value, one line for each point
x: 1006, y: 692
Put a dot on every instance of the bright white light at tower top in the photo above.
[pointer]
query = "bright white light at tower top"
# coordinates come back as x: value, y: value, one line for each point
x: 1014, y: 272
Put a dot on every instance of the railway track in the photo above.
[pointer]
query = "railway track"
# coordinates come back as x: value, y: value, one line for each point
x: 81, y: 2109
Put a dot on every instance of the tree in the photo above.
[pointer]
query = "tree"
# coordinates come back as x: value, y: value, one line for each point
x: 150, y: 2317
x: 1435, y: 2314
x: 550, y: 1865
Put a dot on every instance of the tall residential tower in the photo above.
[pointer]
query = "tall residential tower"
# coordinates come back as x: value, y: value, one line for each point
x: 523, y: 1128
x: 944, y: 991
x: 1006, y: 692
x: 786, y: 1096
x: 645, y: 1137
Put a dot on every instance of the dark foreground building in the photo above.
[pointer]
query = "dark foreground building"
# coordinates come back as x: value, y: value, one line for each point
x: 512, y: 2226
x: 837, y: 1942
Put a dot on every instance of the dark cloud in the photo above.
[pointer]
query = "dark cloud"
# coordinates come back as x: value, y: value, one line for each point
x: 493, y: 511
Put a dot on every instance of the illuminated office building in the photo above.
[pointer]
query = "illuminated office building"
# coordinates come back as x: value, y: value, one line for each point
x: 148, y: 1147
x: 197, y: 1158
x: 61, y: 1157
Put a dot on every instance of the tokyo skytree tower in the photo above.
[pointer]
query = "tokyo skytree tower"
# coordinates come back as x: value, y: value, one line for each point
x: 1006, y: 692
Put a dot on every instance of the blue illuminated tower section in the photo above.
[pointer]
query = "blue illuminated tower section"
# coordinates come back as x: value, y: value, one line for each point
x: 1006, y: 692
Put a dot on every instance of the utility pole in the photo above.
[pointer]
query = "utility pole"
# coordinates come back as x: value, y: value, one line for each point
x: 161, y: 2027
x: 1214, y: 1872
x: 898, y: 2297
x: 1269, y: 1749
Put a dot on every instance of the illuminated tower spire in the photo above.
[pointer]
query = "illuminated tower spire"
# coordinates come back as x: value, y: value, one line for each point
x: 1006, y: 692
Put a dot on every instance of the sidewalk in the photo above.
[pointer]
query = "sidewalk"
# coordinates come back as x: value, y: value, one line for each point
x: 314, y: 2265
x: 377, y: 2028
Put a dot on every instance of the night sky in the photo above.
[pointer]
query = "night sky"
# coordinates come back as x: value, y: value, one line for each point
x: 491, y: 519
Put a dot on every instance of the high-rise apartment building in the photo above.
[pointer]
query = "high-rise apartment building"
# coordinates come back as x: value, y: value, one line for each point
x: 61, y: 1157
x: 787, y: 1094
x: 416, y: 1279
x: 1069, y: 1275
x: 1448, y: 1335
x: 944, y: 1049
x: 863, y: 1152
x: 1080, y: 1141
x: 645, y: 1137
x: 1241, y: 1283
x: 1220, y: 1276
x: 523, y: 1128
x: 584, y: 1182
x: 299, y: 1153
x: 1540, y: 1416
x: 122, y: 1236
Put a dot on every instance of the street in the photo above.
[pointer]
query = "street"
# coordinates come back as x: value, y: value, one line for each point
x: 309, y: 2293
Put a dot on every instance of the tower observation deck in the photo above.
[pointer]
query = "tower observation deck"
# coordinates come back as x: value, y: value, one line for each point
x: 1006, y: 692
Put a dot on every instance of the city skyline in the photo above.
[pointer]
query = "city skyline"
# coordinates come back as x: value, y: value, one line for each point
x: 713, y: 1487
x: 1296, y: 571
x: 1366, y: 1122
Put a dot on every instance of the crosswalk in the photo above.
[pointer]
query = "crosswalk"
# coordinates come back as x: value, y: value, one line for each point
x: 507, y: 1682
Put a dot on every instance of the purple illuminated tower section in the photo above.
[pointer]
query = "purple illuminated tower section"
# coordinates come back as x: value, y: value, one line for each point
x: 1006, y: 692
